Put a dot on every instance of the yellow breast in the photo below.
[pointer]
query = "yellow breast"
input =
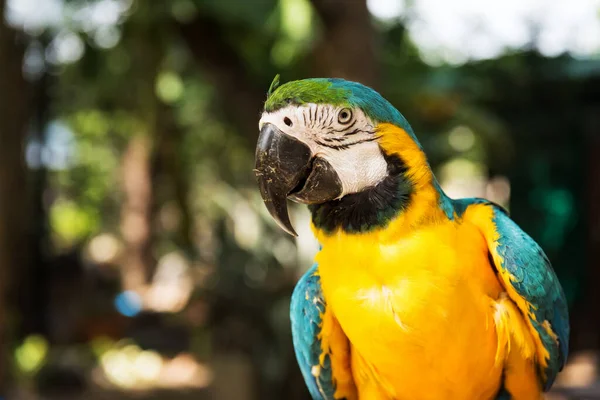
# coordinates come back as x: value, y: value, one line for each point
x: 418, y: 311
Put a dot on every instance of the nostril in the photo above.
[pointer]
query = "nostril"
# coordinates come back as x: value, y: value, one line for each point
x: 287, y: 121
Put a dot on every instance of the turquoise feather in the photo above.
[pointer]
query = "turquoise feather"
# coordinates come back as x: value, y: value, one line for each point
x: 536, y: 282
x: 306, y: 308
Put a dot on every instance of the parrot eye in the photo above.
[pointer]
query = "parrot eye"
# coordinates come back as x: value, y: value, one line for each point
x: 345, y: 116
x: 287, y: 121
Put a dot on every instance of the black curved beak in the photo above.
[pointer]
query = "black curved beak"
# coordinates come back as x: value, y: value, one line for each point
x: 281, y: 162
x: 285, y: 168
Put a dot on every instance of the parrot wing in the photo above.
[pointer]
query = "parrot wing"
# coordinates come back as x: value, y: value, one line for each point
x: 322, y: 349
x: 530, y: 282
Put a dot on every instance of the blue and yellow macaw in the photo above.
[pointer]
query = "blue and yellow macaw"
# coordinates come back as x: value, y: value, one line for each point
x: 413, y: 295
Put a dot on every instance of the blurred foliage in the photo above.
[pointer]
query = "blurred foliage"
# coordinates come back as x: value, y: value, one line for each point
x: 153, y: 70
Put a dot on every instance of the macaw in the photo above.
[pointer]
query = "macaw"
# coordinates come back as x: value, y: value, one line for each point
x: 413, y: 295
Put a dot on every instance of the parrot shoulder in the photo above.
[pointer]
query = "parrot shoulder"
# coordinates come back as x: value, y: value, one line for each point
x: 529, y: 280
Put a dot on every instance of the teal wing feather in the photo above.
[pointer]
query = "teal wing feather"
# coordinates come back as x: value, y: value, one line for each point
x: 535, y: 281
x: 307, y: 307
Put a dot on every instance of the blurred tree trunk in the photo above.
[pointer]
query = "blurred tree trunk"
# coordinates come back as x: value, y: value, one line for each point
x: 136, y: 217
x: 13, y: 181
x: 170, y: 171
x: 138, y: 178
x: 33, y: 281
x: 347, y: 49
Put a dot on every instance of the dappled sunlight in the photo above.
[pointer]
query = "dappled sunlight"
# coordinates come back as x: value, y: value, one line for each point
x: 463, y: 30
x: 307, y: 245
x: 461, y: 138
x: 104, y: 248
x: 137, y: 257
x: 581, y: 371
x: 498, y: 190
x: 171, y: 285
x: 466, y: 173
x: 128, y: 367
x: 247, y: 226
x: 461, y: 177
x: 31, y: 354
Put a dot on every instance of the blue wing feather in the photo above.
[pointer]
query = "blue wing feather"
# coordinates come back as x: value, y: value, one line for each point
x: 536, y: 282
x: 306, y: 310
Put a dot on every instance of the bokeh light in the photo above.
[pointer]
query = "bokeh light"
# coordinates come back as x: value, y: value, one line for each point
x: 139, y: 257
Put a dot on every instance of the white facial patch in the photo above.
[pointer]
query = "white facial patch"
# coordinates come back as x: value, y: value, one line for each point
x: 344, y: 137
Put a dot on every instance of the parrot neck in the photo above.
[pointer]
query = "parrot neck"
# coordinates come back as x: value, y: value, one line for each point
x: 370, y: 209
x: 407, y: 197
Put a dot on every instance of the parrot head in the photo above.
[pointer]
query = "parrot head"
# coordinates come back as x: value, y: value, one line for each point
x: 322, y: 141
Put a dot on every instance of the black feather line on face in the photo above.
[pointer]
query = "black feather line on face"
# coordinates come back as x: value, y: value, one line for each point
x: 372, y: 208
x: 332, y: 146
x: 322, y: 115
x: 331, y: 131
x: 334, y: 139
x: 330, y: 120
x: 344, y: 146
x: 357, y: 130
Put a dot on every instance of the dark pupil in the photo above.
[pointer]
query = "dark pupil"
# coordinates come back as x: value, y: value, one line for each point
x: 344, y: 115
x: 287, y: 121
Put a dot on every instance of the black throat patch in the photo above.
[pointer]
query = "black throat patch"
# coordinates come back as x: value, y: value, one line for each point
x: 372, y: 208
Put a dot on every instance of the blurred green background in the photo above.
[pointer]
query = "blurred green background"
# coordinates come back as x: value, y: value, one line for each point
x: 136, y: 257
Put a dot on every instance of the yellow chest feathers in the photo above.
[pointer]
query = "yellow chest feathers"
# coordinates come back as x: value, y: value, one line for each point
x: 431, y: 261
x: 413, y: 307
